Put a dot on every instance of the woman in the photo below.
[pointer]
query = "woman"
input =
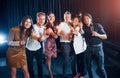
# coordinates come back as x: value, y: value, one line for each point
x: 16, y: 57
x: 79, y: 46
x: 50, y: 43
x: 34, y: 48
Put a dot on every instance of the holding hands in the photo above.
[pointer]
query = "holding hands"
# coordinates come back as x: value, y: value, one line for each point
x: 48, y: 31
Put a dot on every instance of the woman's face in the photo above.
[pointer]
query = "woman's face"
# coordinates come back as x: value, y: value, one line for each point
x: 87, y: 20
x: 27, y: 23
x: 51, y: 18
x: 75, y: 21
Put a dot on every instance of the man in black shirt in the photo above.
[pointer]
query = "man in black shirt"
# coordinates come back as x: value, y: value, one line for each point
x: 94, y: 34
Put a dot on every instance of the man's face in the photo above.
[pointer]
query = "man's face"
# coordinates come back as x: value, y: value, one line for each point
x: 41, y: 20
x: 87, y: 20
x: 67, y: 17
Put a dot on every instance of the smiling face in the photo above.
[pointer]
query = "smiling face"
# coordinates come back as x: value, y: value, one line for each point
x: 51, y: 18
x: 67, y: 17
x: 75, y: 21
x: 27, y: 23
x: 87, y: 20
x: 41, y: 20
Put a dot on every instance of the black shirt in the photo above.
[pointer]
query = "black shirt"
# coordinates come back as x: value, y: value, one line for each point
x: 92, y: 40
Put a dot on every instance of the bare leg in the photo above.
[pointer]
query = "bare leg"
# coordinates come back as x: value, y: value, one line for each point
x: 82, y: 77
x: 48, y: 62
x: 78, y: 76
x: 25, y: 71
x: 13, y: 72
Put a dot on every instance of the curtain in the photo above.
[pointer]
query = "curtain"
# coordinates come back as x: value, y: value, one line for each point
x: 16, y: 9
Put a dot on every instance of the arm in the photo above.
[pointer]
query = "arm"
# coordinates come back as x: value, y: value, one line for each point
x: 54, y: 35
x: 100, y: 33
x: 101, y: 36
x: 60, y: 30
x: 12, y: 42
x: 49, y: 31
x: 34, y: 36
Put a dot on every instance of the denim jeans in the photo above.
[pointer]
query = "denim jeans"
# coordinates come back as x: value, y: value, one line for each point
x: 96, y: 52
x: 66, y: 49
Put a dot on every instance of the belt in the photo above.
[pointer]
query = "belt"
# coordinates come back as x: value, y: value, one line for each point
x: 65, y: 42
x: 97, y: 45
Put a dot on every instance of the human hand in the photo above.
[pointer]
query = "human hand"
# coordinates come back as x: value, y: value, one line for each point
x: 62, y: 32
x: 22, y: 42
x: 48, y: 31
x: 94, y: 33
x: 54, y: 35
x: 72, y: 30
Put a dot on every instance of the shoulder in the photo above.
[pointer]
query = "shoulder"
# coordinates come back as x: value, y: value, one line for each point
x: 34, y: 26
x: 63, y: 24
x: 17, y: 28
x: 43, y: 27
x: 98, y: 25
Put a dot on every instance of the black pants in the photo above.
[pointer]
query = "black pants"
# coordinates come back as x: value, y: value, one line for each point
x: 81, y: 66
x: 79, y: 61
x: 30, y: 57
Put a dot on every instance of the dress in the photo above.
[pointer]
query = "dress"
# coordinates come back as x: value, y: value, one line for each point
x: 50, y: 44
x: 15, y: 54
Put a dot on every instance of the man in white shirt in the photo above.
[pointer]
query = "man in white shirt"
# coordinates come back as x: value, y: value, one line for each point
x: 34, y: 46
x: 64, y: 31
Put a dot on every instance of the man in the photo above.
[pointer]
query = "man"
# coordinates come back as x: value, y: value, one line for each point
x: 64, y: 31
x: 34, y: 47
x: 94, y: 34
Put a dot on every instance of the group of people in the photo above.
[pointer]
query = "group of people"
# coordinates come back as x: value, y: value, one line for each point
x: 79, y: 36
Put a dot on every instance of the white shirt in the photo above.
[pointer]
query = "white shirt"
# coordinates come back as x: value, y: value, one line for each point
x: 64, y: 27
x: 32, y: 44
x: 79, y: 43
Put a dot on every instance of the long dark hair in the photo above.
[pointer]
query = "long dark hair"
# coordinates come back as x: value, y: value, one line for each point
x: 49, y: 25
x: 22, y: 27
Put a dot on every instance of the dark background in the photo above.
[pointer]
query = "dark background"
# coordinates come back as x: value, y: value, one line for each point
x: 106, y: 12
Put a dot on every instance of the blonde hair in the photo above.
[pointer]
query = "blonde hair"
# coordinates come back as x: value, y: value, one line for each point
x: 67, y: 13
x: 40, y: 13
